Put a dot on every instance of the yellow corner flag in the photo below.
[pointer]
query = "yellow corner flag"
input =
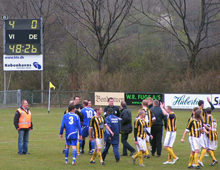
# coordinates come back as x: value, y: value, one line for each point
x: 52, y: 86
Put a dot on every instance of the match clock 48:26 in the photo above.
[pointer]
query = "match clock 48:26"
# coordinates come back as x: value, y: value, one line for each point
x: 23, y: 49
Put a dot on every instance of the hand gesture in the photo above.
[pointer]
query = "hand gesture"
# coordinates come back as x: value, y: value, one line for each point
x: 208, y: 99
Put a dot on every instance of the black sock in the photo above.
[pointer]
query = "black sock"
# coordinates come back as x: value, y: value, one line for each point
x: 90, y: 145
x: 83, y: 144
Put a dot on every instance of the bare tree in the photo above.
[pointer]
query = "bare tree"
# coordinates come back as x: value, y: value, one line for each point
x: 101, y: 21
x: 192, y: 23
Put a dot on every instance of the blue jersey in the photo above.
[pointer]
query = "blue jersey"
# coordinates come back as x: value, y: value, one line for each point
x: 71, y: 122
x: 87, y: 114
x: 115, y: 125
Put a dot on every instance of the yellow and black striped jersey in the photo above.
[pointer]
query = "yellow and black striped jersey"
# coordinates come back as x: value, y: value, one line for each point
x: 212, y: 122
x: 195, y: 127
x: 97, y: 124
x: 140, y: 128
x: 171, y: 122
x: 149, y: 116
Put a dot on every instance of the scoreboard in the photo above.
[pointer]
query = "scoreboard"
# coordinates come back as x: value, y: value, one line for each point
x: 23, y: 45
x: 23, y: 36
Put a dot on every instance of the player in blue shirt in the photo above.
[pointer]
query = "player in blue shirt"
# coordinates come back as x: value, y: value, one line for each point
x: 87, y: 113
x: 115, y: 125
x: 71, y: 122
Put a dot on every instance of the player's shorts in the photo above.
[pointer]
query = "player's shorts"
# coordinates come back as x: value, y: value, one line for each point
x: 85, y: 131
x: 98, y: 143
x: 141, y: 146
x: 194, y: 143
x: 169, y: 139
x: 147, y: 136
x: 212, y: 145
x: 203, y: 140
x: 72, y: 142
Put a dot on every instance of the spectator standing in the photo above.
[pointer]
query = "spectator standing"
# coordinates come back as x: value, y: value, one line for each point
x: 126, y: 129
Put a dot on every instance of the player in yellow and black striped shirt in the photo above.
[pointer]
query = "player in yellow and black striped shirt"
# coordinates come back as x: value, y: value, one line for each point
x: 211, y: 125
x: 96, y: 132
x: 149, y: 119
x: 194, y: 128
x: 140, y: 133
x: 170, y: 134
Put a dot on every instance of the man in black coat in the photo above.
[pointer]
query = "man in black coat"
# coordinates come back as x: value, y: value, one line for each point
x: 126, y: 128
x: 157, y: 128
x: 111, y: 105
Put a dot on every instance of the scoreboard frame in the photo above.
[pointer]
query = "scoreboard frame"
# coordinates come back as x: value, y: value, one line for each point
x: 23, y: 37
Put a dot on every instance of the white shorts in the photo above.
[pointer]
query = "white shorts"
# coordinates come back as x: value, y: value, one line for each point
x: 98, y: 143
x: 169, y: 139
x: 194, y: 143
x: 212, y: 145
x: 141, y: 146
x: 203, y: 140
x: 147, y: 136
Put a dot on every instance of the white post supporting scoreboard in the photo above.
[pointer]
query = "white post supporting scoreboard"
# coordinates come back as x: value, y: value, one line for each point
x: 23, y: 46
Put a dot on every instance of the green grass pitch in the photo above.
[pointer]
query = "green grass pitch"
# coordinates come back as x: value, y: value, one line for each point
x: 46, y: 147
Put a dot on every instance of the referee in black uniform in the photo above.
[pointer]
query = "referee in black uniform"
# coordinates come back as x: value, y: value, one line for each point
x: 157, y: 128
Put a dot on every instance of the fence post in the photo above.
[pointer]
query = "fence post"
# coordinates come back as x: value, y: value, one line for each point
x: 19, y: 97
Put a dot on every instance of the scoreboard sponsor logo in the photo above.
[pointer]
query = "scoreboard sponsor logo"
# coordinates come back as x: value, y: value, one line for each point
x: 23, y: 63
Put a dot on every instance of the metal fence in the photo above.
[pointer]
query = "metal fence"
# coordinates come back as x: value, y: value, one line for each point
x: 58, y: 98
x: 11, y: 98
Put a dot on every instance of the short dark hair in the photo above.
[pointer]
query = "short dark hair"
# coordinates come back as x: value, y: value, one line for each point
x: 197, y: 114
x: 85, y: 102
x: 195, y: 108
x: 156, y: 102
x: 75, y: 97
x: 201, y: 102
x: 169, y: 107
x: 71, y: 107
x: 110, y: 98
x: 97, y: 108
x: 209, y: 110
x: 123, y: 104
x: 110, y: 110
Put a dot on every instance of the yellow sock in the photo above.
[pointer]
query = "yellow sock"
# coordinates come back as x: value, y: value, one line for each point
x: 93, y: 156
x: 202, y: 155
x: 146, y: 152
x: 137, y: 154
x: 169, y: 158
x: 100, y: 156
x: 77, y: 148
x: 170, y: 151
x: 190, y: 160
x: 140, y: 158
x: 196, y: 158
x: 148, y: 145
x: 212, y: 154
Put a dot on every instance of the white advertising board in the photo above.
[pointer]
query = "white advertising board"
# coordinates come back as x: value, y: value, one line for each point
x: 186, y: 101
x: 216, y: 100
x: 22, y: 62
x: 101, y: 98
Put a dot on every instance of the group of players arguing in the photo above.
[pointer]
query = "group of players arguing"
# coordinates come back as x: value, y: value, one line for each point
x: 82, y: 121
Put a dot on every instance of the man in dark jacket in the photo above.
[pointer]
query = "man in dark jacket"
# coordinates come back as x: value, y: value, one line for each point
x: 126, y: 128
x: 114, y: 124
x: 157, y: 128
x: 111, y: 105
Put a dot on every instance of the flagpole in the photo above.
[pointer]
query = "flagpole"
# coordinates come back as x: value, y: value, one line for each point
x: 49, y: 99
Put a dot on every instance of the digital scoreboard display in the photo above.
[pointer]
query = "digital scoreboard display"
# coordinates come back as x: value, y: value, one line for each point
x: 23, y: 37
